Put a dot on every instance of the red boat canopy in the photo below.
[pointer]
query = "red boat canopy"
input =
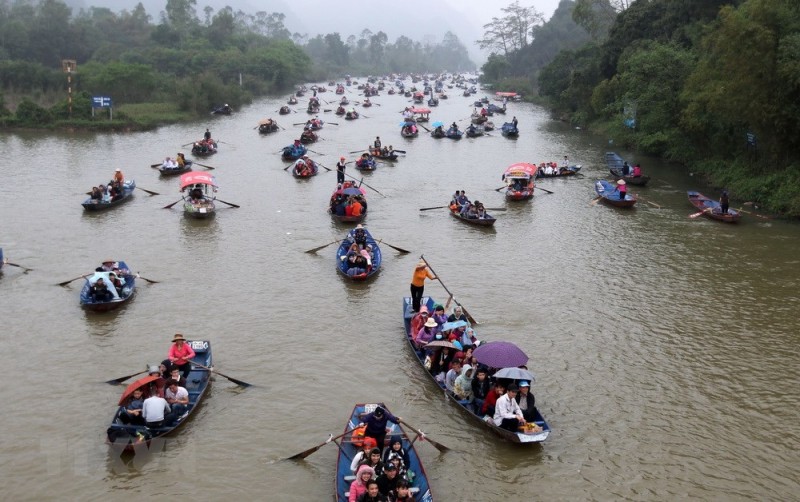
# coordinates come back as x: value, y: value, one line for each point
x: 138, y: 384
x: 505, y: 94
x: 420, y: 110
x: 520, y: 170
x: 194, y: 178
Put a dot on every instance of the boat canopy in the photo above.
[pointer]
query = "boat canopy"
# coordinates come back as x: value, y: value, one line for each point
x: 505, y: 94
x: 520, y: 170
x: 420, y: 110
x: 196, y: 178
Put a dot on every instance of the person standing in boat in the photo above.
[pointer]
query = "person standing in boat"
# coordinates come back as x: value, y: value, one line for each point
x: 514, y: 121
x: 626, y: 169
x: 376, y: 424
x: 340, y: 167
x: 180, y: 354
x: 623, y: 189
x: 637, y: 171
x: 207, y: 135
x: 421, y: 272
x: 377, y: 143
x: 118, y: 176
x: 565, y: 162
x: 724, y: 202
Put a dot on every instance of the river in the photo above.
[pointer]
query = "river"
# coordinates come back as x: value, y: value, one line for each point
x: 665, y: 347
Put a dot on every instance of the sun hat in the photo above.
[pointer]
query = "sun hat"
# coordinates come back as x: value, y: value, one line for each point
x: 430, y: 323
x: 178, y: 337
x: 421, y: 264
x: 341, y: 158
x: 118, y: 170
x: 524, y: 383
x: 620, y: 182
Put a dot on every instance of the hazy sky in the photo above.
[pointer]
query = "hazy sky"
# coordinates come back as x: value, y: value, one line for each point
x: 482, y: 11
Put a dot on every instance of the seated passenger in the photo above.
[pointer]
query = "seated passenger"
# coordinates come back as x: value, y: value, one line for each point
x: 181, y: 160
x: 457, y: 315
x: 131, y: 413
x: 178, y: 399
x: 395, y: 448
x: 402, y: 494
x: 463, y: 384
x: 374, y: 460
x: 419, y: 319
x: 359, y: 486
x: 489, y: 403
x: 359, y: 236
x: 452, y: 374
x: 175, y: 374
x: 116, y: 282
x: 99, y: 291
x: 507, y: 413
x: 97, y: 195
x: 637, y: 171
x: 526, y: 401
x: 366, y: 447
x: 439, y: 316
x: 481, y: 388
x: 356, y: 208
x: 441, y: 361
x: 154, y: 411
x: 427, y: 333
x: 196, y: 195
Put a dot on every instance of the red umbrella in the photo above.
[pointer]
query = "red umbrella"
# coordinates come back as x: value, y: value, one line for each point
x: 136, y: 385
x: 500, y: 355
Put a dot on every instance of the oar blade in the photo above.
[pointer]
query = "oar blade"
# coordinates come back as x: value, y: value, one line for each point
x: 313, y: 250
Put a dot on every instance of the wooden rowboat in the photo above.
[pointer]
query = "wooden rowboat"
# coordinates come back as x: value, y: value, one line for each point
x: 611, y: 196
x: 342, y: 255
x: 615, y: 165
x: 117, y: 298
x: 514, y: 437
x: 127, y: 192
x: 137, y: 438
x: 172, y: 171
x: 486, y: 221
x: 712, y: 208
x: 419, y: 486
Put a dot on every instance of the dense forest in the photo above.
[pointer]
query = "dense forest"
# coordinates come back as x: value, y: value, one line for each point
x: 181, y: 66
x: 713, y: 84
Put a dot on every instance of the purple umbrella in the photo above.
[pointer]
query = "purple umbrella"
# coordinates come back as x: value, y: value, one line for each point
x: 500, y: 355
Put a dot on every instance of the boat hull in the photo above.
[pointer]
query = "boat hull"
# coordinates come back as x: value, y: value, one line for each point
x: 341, y: 265
x: 609, y: 194
x: 488, y: 221
x: 127, y: 192
x: 712, y: 209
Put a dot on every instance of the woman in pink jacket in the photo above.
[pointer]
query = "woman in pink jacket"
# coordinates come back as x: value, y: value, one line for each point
x: 359, y: 485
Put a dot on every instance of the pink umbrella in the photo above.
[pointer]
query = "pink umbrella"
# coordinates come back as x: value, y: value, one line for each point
x: 500, y: 355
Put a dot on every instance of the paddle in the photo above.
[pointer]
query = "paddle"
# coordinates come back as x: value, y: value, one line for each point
x: 543, y: 189
x: 422, y: 126
x: 357, y: 151
x: 595, y: 200
x: 119, y: 380
x: 300, y: 123
x: 429, y: 208
x: 237, y: 382
x: 15, y: 265
x: 146, y: 279
x: 320, y: 165
x: 332, y: 123
x: 312, y: 151
x: 361, y: 182
x: 399, y: 151
x: 695, y: 215
x: 203, y: 165
x: 469, y: 317
x: 187, y: 144
x: 169, y: 206
x: 394, y: 247
x: 228, y: 203
x: 739, y: 210
x: 75, y: 279
x: 496, y: 208
x: 305, y: 453
x: 224, y: 143
x: 638, y: 197
x: 156, y: 165
x: 287, y: 167
x: 148, y: 191
x: 439, y: 446
x: 314, y: 250
x: 502, y: 187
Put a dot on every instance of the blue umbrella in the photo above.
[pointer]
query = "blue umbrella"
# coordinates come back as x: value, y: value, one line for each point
x: 438, y: 123
x: 403, y: 124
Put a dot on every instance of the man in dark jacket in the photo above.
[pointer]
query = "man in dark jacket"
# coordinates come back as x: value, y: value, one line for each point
x: 376, y: 424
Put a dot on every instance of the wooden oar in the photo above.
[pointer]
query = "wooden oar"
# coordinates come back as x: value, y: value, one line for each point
x: 237, y: 382
x: 15, y: 265
x: 399, y: 151
x: 394, y: 247
x: 638, y: 197
x: 422, y: 126
x: 305, y: 453
x: 361, y: 182
x: 157, y: 165
x: 146, y: 279
x: 148, y: 191
x: 224, y: 143
x: 357, y: 151
x: 543, y: 189
x: 300, y: 123
x: 314, y: 250
x: 706, y: 210
x: 502, y: 187
x: 228, y: 203
x: 741, y: 211
x: 75, y: 279
x: 203, y: 165
x: 469, y: 317
x: 170, y: 205
x: 320, y: 165
x: 595, y: 200
x: 496, y: 208
x: 119, y: 380
x: 439, y: 446
x: 430, y: 208
x: 312, y: 151
x: 332, y: 123
x: 187, y: 144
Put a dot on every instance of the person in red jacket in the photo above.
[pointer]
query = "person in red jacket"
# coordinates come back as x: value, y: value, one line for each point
x: 488, y: 405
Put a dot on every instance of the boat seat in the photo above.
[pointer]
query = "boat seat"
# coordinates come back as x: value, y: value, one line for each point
x: 350, y: 478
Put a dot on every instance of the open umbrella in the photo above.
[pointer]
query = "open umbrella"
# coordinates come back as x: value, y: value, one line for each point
x: 515, y: 374
x: 351, y: 191
x: 136, y: 385
x: 453, y: 325
x: 438, y: 123
x: 500, y: 355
